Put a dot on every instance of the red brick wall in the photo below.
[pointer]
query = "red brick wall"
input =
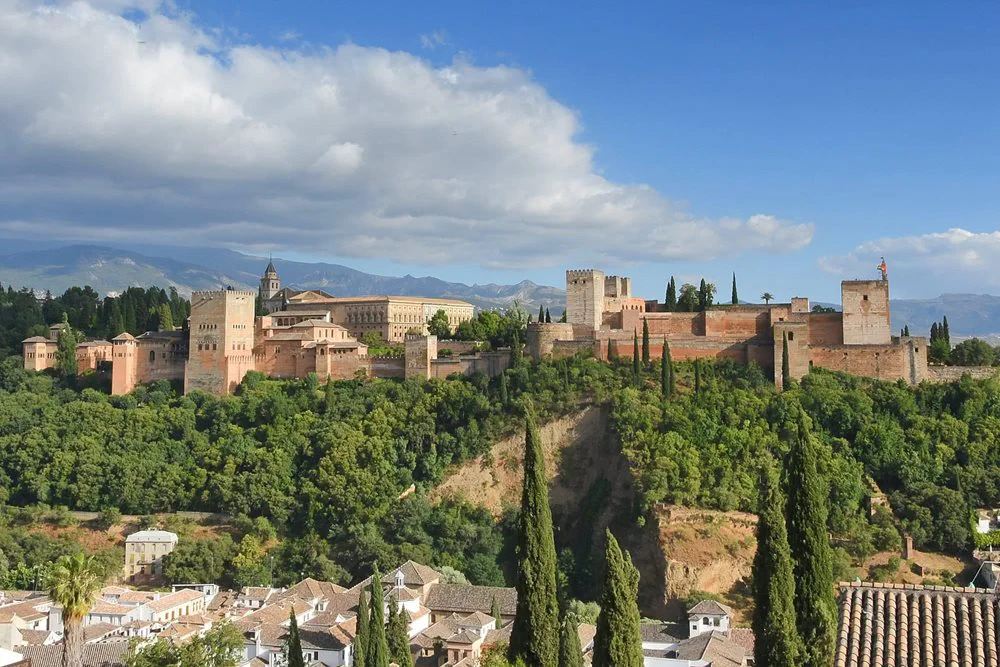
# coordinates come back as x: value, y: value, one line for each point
x: 669, y: 324
x: 886, y: 362
x: 826, y: 329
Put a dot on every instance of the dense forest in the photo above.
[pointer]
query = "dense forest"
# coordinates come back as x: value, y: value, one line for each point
x: 325, y: 467
x: 23, y: 314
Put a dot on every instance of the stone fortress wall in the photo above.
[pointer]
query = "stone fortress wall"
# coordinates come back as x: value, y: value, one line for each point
x: 857, y: 340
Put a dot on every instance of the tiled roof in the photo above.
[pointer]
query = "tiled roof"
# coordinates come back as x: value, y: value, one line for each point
x: 109, y: 609
x: 715, y: 648
x: 36, y: 339
x: 256, y: 593
x: 312, y: 589
x: 105, y: 654
x: 174, y: 599
x: 467, y: 599
x: 657, y: 633
x: 414, y: 574
x: 35, y: 636
x: 900, y: 624
x: 501, y: 636
x: 96, y: 631
x: 710, y: 608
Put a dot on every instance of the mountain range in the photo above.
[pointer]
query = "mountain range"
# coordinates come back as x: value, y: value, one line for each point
x: 111, y: 270
x: 42, y: 266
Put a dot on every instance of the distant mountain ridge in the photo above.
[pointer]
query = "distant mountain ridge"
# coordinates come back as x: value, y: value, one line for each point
x: 111, y: 270
x: 108, y: 270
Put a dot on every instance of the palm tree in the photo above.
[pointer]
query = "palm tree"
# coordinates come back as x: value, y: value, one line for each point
x: 73, y: 584
x: 768, y: 297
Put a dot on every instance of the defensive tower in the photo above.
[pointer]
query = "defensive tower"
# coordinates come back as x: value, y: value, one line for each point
x: 585, y: 297
x: 220, y: 351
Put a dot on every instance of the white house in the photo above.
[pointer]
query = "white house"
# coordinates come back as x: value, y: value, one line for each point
x: 708, y: 616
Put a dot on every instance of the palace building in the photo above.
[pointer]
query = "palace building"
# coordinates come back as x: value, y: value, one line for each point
x: 304, y: 332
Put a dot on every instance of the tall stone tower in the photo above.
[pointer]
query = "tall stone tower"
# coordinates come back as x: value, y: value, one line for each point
x: 270, y: 283
x: 866, y: 312
x: 123, y: 363
x: 585, y: 297
x: 220, y: 350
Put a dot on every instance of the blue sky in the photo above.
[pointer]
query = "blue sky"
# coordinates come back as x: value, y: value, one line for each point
x: 862, y: 129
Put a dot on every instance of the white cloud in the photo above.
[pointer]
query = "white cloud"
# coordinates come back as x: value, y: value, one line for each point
x: 354, y: 151
x: 289, y: 36
x: 953, y: 260
x: 433, y: 40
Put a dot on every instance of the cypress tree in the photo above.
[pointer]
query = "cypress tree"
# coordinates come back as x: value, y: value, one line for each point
x: 645, y: 343
x: 934, y: 331
x: 378, y: 646
x: 541, y: 313
x: 166, y: 318
x: 295, y: 658
x: 361, y: 634
x: 618, y: 642
x: 504, y: 391
x: 66, y: 349
x: 810, y: 548
x: 131, y: 325
x: 516, y: 353
x: 495, y: 613
x: 116, y: 323
x: 945, y: 332
x: 611, y: 351
x: 776, y: 641
x: 329, y: 396
x: 736, y: 298
x: 570, y: 652
x: 563, y: 318
x: 535, y: 635
x: 671, y: 302
x: 548, y: 317
x: 398, y: 635
x: 666, y: 371
x: 786, y: 373
x: 703, y: 295
x: 635, y: 357
x: 906, y: 330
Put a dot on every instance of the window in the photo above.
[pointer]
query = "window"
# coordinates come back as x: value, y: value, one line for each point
x: 152, y: 356
x: 791, y: 335
x: 705, y: 621
x: 865, y: 297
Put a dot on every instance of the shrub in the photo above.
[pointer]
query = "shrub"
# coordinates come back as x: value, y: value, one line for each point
x: 108, y: 517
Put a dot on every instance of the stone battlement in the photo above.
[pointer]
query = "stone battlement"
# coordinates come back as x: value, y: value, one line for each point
x: 212, y: 294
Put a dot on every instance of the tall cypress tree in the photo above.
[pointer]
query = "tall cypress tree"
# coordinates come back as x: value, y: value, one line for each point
x: 504, y: 390
x: 570, y: 653
x: 666, y: 371
x: 495, y: 613
x: 548, y: 317
x: 295, y: 657
x: 535, y: 635
x: 786, y: 372
x: 516, y: 353
x: 736, y: 298
x: 703, y: 295
x: 541, y: 313
x: 378, y: 646
x: 671, y: 302
x: 776, y: 640
x: 618, y: 642
x: 635, y: 357
x: 66, y: 350
x: 398, y: 635
x: 362, y: 632
x: 810, y: 547
x: 645, y: 342
x: 945, y: 331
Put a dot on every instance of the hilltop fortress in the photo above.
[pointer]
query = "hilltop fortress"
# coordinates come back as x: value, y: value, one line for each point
x: 602, y: 314
x: 303, y: 332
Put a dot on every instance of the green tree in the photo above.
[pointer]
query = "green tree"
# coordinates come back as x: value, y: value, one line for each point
x: 495, y: 612
x: 66, y: 354
x: 612, y: 353
x: 645, y: 342
x: 570, y: 652
x: 671, y: 298
x: 166, y: 318
x: 635, y: 358
x: 504, y: 390
x: 697, y: 377
x: 808, y: 494
x: 541, y: 313
x: 945, y: 331
x: 535, y: 635
x: 362, y: 633
x: 222, y: 646
x: 397, y: 635
x: 73, y: 584
x: 687, y: 300
x: 973, y: 352
x: 618, y: 642
x: 777, y: 642
x: 516, y: 353
x: 378, y: 645
x: 548, y: 317
x: 706, y: 295
x: 767, y: 297
x: 116, y: 322
x: 294, y: 646
x: 563, y: 317
x: 786, y: 371
x: 735, y: 300
x: 249, y: 568
x: 438, y: 325
x: 666, y: 371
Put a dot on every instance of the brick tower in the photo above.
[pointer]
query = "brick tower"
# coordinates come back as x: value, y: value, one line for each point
x: 220, y: 351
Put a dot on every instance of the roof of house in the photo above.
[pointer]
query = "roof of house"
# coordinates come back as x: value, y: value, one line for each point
x: 152, y: 536
x: 124, y: 336
x: 37, y: 339
x: 102, y: 608
x: 414, y: 574
x: 104, y: 654
x: 657, y: 633
x: 35, y: 636
x: 312, y: 589
x: 261, y: 593
x: 710, y: 608
x: 715, y: 648
x: 96, y: 631
x: 466, y: 598
x: 175, y: 599
x: 951, y: 622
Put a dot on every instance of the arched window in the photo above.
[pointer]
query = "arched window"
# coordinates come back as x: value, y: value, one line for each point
x: 152, y: 356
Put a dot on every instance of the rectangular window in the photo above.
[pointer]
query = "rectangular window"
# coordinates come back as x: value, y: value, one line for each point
x: 791, y: 335
x: 865, y: 297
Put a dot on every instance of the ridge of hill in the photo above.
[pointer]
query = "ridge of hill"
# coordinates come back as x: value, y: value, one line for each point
x: 111, y: 270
